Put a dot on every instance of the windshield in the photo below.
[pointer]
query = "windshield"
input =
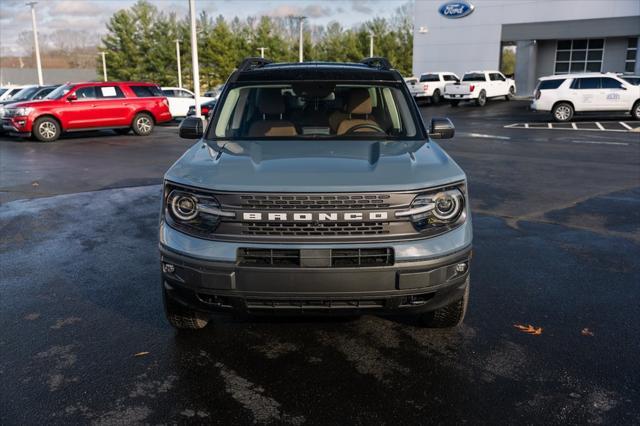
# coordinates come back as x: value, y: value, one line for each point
x: 25, y: 94
x: 2, y: 90
x: 59, y: 92
x: 327, y: 110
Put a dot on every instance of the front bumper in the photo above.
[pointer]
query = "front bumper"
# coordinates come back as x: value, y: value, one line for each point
x: 422, y: 278
x: 17, y: 125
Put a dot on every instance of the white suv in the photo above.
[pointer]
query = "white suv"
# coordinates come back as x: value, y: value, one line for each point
x: 564, y: 95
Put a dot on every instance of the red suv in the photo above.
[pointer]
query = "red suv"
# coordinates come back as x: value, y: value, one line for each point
x: 72, y: 107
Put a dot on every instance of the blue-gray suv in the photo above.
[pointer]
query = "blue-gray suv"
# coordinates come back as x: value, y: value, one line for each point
x: 315, y: 188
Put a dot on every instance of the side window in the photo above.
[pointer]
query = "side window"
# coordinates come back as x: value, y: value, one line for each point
x: 496, y: 77
x: 147, y: 91
x: 109, y: 92
x: 88, y: 92
x: 183, y: 94
x: 500, y: 77
x: 589, y: 83
x: 44, y: 92
x: 610, y: 83
x: 551, y: 84
x: 169, y: 93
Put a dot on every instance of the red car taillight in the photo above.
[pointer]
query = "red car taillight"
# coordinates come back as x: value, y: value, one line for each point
x: 471, y: 88
x: 205, y: 110
x: 538, y: 93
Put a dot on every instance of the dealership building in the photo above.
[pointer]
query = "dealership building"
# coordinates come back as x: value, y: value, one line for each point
x: 550, y: 36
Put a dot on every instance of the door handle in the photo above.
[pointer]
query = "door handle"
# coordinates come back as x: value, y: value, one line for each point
x: 94, y: 105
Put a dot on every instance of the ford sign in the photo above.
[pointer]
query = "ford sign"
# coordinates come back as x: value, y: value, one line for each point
x: 456, y: 9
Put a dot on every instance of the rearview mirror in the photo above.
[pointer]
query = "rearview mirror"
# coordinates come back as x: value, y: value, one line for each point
x: 72, y: 98
x: 191, y: 128
x: 441, y: 128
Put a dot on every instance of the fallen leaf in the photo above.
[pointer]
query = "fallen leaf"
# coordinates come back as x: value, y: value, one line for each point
x: 529, y: 329
x: 586, y: 332
x: 141, y: 354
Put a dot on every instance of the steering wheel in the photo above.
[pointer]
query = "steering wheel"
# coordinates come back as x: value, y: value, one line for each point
x: 369, y: 126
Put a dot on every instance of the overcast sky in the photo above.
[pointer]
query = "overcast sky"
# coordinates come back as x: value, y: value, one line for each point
x: 92, y: 15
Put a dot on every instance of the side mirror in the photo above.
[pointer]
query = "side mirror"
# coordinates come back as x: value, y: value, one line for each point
x: 441, y: 128
x: 72, y: 98
x: 191, y: 128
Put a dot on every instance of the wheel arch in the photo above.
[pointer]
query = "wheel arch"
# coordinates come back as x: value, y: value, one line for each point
x: 144, y: 111
x: 48, y: 115
x: 563, y: 102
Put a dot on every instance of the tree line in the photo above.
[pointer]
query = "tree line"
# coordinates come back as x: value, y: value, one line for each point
x: 140, y: 43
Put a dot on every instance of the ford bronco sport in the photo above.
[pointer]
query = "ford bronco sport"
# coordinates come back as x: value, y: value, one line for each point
x: 315, y: 188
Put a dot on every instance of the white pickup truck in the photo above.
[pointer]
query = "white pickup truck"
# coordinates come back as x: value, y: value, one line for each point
x: 480, y: 86
x: 430, y: 85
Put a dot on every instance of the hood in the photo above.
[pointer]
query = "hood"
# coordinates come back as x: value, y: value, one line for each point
x: 22, y: 104
x: 315, y: 166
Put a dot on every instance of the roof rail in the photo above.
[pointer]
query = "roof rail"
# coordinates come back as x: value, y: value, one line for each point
x: 252, y: 63
x: 377, y: 62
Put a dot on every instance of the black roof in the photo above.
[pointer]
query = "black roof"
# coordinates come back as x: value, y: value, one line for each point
x: 257, y: 69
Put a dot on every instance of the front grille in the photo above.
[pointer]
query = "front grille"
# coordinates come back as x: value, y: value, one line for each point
x: 313, y: 304
x: 315, y: 202
x: 335, y: 258
x: 315, y: 229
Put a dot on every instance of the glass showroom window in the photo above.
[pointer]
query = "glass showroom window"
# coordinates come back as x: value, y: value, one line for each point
x: 579, y: 55
x: 632, y: 54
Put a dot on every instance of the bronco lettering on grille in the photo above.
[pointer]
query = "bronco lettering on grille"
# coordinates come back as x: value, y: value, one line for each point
x: 314, y: 216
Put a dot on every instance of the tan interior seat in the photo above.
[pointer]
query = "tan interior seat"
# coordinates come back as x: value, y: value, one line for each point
x: 271, y: 124
x: 359, y: 104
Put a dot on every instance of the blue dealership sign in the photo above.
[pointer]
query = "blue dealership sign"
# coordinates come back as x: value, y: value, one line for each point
x: 456, y: 9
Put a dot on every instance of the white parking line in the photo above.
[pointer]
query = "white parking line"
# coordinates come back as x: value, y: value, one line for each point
x: 574, y: 126
x: 625, y: 125
x: 600, y: 143
x: 599, y: 126
x: 483, y: 136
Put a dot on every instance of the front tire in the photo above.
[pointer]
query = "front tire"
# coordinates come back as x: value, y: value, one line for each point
x: 181, y: 317
x: 562, y: 112
x: 448, y: 316
x: 482, y: 98
x: 436, y: 98
x: 142, y: 124
x: 46, y: 129
x: 635, y: 111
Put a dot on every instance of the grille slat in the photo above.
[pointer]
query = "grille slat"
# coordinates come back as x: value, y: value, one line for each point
x: 322, y: 228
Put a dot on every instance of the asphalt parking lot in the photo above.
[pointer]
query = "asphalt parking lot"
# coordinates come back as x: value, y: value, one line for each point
x: 556, y: 245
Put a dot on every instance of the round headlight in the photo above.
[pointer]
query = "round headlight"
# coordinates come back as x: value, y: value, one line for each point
x: 447, y: 205
x: 183, y: 206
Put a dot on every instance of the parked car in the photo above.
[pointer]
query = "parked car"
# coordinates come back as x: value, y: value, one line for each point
x: 433, y: 84
x: 205, y: 108
x: 215, y: 92
x: 416, y: 90
x: 181, y: 99
x: 565, y: 95
x: 633, y: 79
x: 122, y: 106
x: 9, y: 91
x: 29, y: 93
x: 479, y: 86
x: 324, y: 193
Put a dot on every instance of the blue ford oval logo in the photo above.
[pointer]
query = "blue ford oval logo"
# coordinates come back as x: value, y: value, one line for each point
x: 456, y: 9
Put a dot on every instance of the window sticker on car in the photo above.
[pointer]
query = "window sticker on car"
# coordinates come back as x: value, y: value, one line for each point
x: 108, y: 91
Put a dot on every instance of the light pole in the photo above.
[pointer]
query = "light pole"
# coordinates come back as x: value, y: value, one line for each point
x: 194, y: 56
x: 371, y: 36
x: 300, y: 20
x: 104, y: 65
x: 35, y: 40
x: 179, y: 67
x: 262, y: 49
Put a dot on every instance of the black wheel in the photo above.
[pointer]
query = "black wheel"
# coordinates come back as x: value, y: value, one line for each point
x: 435, y: 98
x: 181, y: 317
x: 454, y: 103
x: 122, y: 131
x: 512, y: 93
x: 143, y: 124
x: 448, y: 316
x: 635, y: 111
x: 562, y: 111
x: 482, y: 98
x: 46, y: 129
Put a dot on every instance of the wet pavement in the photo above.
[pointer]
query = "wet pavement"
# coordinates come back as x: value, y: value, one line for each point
x: 556, y: 245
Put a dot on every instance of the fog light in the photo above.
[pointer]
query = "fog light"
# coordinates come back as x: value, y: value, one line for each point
x: 168, y: 268
x: 461, y: 268
x: 21, y: 123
